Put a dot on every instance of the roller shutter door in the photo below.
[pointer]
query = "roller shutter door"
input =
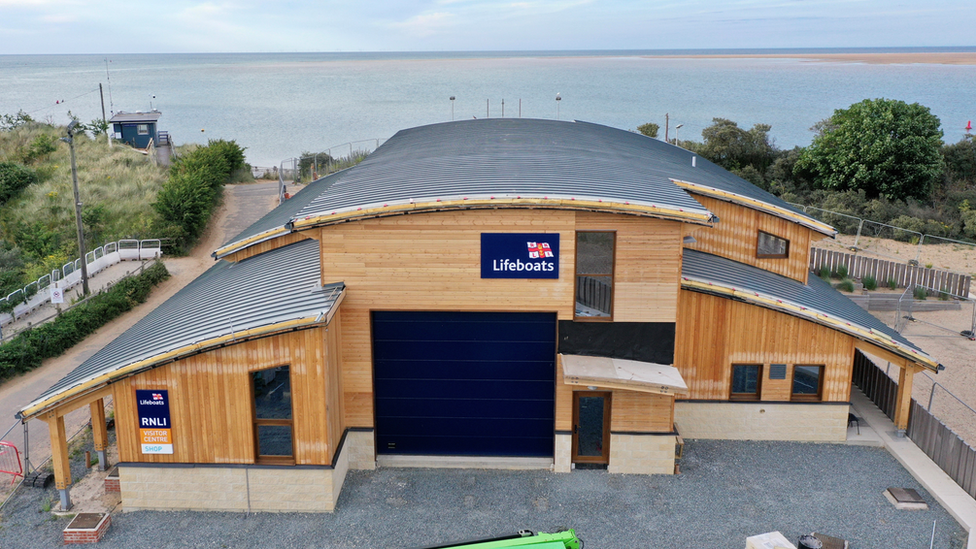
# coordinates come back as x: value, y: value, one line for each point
x: 464, y: 384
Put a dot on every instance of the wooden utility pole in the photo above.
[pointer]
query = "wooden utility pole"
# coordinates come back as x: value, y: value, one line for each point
x: 108, y: 134
x: 667, y: 122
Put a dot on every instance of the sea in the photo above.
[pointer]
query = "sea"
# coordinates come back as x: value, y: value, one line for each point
x: 280, y: 105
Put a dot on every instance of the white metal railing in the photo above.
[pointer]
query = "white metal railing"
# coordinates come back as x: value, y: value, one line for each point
x: 37, y: 293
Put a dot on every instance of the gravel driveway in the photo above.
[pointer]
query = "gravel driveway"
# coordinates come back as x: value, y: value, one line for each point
x: 726, y: 492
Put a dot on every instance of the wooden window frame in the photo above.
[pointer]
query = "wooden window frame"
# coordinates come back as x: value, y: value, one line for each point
x: 577, y: 274
x: 747, y: 397
x: 139, y: 129
x: 264, y: 422
x: 784, y: 255
x: 801, y: 397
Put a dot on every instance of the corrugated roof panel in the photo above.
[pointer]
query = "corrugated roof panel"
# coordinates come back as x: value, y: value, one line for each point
x: 817, y: 295
x: 264, y: 290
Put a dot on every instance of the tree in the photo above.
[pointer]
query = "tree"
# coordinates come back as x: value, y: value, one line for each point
x: 734, y: 148
x: 883, y: 146
x: 650, y: 129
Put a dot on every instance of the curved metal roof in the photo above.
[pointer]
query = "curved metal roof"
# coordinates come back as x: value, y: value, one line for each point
x: 228, y: 302
x: 816, y: 301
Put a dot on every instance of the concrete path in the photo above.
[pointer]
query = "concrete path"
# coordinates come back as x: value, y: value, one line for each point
x: 243, y: 205
x: 945, y: 490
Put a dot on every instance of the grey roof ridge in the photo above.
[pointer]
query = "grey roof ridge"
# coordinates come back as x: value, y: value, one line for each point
x: 788, y: 306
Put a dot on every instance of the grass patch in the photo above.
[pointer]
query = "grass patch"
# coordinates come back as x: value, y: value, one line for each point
x: 870, y: 283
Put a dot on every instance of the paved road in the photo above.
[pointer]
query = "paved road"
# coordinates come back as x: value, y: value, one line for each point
x: 243, y: 205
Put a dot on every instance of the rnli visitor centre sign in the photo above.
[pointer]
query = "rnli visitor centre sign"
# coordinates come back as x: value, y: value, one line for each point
x: 155, y: 431
x: 519, y: 255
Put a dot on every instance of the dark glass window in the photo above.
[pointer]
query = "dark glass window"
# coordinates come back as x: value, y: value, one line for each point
x: 746, y: 381
x: 142, y: 129
x: 807, y: 382
x: 594, y: 275
x: 273, y: 415
x: 772, y: 246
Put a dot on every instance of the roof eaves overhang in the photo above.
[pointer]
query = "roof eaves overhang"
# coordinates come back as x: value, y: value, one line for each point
x: 760, y: 205
x: 814, y: 315
x: 239, y: 245
x: 100, y: 379
x: 699, y: 216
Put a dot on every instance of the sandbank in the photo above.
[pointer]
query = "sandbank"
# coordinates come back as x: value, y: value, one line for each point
x: 930, y: 58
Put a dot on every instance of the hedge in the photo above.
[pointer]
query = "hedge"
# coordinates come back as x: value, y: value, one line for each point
x: 28, y: 349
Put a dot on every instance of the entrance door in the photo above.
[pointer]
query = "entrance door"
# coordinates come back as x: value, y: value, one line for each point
x: 591, y: 427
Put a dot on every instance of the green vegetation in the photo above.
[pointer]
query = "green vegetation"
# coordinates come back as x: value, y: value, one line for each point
x: 824, y: 273
x: 880, y: 159
x: 892, y: 284
x: 118, y: 186
x: 841, y: 271
x: 322, y: 164
x: 26, y: 351
x: 194, y: 188
x: 920, y: 292
x: 846, y: 285
x: 650, y: 129
x: 870, y: 283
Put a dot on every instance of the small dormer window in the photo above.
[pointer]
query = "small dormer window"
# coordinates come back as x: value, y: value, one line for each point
x: 771, y: 246
x: 143, y: 129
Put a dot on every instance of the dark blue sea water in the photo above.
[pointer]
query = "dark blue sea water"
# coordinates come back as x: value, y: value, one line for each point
x: 279, y: 105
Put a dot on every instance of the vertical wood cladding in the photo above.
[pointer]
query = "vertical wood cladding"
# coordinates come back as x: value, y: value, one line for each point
x: 211, y: 400
x: 736, y: 237
x: 432, y: 262
x: 713, y: 333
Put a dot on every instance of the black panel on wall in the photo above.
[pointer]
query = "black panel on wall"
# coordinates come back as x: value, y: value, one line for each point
x: 643, y: 341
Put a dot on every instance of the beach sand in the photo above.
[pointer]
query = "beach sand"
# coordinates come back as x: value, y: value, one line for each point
x: 930, y: 58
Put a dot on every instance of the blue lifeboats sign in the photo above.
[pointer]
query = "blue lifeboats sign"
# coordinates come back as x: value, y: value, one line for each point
x: 155, y: 430
x: 520, y: 255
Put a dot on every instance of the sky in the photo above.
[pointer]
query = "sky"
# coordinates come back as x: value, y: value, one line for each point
x: 127, y: 26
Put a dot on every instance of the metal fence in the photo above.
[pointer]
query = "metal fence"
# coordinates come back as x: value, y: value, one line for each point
x: 32, y: 296
x: 947, y: 449
x: 903, y: 275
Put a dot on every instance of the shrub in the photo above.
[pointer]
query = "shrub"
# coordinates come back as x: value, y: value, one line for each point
x: 920, y: 292
x: 824, y: 272
x: 842, y: 271
x: 846, y: 285
x: 892, y: 284
x: 39, y: 147
x: 26, y: 351
x: 870, y: 283
x: 910, y: 224
x: 13, y: 178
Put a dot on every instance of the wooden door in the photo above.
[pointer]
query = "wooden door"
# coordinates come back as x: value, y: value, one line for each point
x: 591, y: 427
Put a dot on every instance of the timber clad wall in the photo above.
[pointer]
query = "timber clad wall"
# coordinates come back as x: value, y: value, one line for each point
x: 736, y: 237
x: 211, y: 400
x: 432, y: 262
x: 268, y: 245
x: 714, y: 332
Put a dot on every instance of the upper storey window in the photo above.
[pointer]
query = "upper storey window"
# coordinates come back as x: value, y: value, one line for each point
x: 771, y: 246
x: 594, y: 275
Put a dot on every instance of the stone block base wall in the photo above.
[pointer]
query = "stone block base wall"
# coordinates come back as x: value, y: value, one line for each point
x: 562, y: 462
x: 215, y: 488
x: 815, y: 422
x: 641, y: 454
x: 360, y: 446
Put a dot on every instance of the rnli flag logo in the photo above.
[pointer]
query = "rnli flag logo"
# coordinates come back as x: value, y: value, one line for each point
x: 539, y: 250
x: 157, y: 396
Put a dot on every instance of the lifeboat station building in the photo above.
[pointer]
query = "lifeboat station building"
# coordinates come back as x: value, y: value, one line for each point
x: 506, y: 293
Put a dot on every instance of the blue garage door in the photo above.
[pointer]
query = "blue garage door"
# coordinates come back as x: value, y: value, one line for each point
x: 464, y: 384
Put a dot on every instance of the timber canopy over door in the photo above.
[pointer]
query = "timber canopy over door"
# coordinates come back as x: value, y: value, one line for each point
x: 464, y: 384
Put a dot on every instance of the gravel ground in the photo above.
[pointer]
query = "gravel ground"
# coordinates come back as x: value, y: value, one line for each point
x: 726, y: 492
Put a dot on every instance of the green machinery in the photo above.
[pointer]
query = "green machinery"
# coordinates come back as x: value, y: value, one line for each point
x: 525, y: 538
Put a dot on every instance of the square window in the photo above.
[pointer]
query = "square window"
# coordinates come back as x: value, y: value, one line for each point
x: 142, y: 129
x: 594, y: 275
x: 772, y: 246
x: 807, y: 382
x: 746, y: 381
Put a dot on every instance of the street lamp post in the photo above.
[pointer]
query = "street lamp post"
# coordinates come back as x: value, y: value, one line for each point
x: 70, y: 140
x: 676, y: 128
x: 452, y: 107
x: 558, y: 99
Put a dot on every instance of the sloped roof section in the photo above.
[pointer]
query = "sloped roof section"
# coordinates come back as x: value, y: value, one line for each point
x: 267, y: 293
x: 816, y: 301
x: 150, y: 116
x: 497, y: 163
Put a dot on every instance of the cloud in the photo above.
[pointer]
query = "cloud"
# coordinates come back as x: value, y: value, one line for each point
x: 426, y: 24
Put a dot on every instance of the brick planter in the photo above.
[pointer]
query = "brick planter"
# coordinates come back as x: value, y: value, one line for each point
x: 87, y: 528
